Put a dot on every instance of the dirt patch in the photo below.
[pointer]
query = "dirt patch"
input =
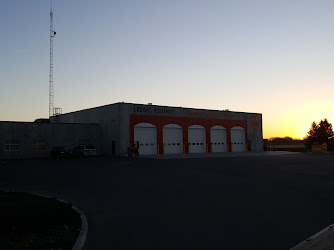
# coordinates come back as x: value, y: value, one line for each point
x: 34, y: 222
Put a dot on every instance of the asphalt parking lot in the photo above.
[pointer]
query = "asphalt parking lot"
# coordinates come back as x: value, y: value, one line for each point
x: 242, y: 202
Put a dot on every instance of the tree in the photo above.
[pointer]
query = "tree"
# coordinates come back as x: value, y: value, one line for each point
x: 319, y: 132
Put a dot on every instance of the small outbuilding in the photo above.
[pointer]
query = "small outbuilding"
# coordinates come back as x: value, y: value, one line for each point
x: 319, y: 147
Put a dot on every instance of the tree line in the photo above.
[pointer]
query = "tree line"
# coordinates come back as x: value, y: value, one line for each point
x: 285, y: 140
x: 321, y: 132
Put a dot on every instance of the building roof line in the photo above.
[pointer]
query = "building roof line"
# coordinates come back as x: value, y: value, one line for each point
x: 163, y: 106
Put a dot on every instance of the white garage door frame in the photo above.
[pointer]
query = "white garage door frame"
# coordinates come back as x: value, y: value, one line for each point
x: 197, y: 139
x: 146, y: 134
x: 173, y: 139
x: 218, y: 139
x: 238, y: 139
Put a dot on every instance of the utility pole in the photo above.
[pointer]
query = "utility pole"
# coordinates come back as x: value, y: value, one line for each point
x: 52, y: 35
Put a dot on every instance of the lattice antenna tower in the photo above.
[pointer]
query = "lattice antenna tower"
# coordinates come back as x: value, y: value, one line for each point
x: 52, y: 35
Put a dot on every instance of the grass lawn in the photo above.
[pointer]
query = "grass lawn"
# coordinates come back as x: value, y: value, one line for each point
x: 34, y: 222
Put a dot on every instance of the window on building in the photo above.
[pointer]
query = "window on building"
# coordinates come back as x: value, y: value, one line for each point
x: 39, y: 145
x: 12, y: 145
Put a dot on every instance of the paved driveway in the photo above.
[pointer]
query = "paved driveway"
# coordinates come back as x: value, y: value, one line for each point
x: 242, y: 202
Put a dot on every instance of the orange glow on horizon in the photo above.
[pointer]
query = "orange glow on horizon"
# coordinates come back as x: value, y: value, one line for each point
x: 293, y: 127
x: 295, y: 120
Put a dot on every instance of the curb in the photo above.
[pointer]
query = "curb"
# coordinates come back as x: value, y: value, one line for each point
x: 319, y: 241
x: 80, y: 242
x: 83, y: 231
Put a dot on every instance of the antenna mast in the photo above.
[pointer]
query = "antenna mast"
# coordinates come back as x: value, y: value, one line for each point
x: 52, y: 35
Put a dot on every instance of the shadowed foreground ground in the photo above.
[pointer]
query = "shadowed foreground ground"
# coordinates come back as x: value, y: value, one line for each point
x: 241, y: 202
x: 33, y: 222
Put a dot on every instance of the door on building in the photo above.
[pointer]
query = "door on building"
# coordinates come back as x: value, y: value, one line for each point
x: 113, y: 148
x: 238, y: 139
x: 146, y: 135
x: 173, y: 139
x: 218, y: 139
x: 196, y: 139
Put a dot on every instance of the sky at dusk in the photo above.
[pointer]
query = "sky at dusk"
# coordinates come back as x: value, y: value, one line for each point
x: 270, y: 57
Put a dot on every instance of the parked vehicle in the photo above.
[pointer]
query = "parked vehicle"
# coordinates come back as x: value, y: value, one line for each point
x: 61, y: 152
x: 84, y: 150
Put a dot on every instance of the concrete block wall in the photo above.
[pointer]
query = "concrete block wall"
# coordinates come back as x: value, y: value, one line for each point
x: 68, y: 135
x: 106, y: 116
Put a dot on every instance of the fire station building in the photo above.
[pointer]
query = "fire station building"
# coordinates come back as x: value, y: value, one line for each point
x: 170, y: 130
